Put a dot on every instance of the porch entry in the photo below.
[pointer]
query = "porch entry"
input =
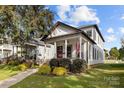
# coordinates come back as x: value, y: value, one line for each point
x: 60, y: 51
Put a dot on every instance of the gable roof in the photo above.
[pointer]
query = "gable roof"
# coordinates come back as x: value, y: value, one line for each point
x: 63, y: 24
x: 76, y: 30
x: 97, y: 28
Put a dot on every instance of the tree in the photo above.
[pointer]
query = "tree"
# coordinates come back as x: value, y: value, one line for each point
x: 122, y: 42
x: 35, y: 21
x: 121, y: 50
x: 22, y: 23
x: 6, y: 19
x: 7, y: 14
x: 114, y: 53
x: 106, y: 53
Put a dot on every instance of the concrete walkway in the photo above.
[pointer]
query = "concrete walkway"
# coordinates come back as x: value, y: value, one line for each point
x: 17, y: 78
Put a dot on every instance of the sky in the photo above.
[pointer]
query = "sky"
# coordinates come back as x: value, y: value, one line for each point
x: 110, y: 20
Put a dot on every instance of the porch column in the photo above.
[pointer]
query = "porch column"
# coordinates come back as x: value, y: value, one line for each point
x: 55, y: 50
x: 65, y: 48
x: 80, y: 48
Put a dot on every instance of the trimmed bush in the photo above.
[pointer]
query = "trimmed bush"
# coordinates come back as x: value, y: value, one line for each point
x: 64, y: 62
x: 53, y: 63
x: 44, y: 69
x: 23, y: 67
x: 59, y: 71
x: 78, y: 66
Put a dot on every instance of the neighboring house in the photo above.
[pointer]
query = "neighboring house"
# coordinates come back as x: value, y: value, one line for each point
x: 65, y: 41
x: 38, y: 49
x: 6, y: 49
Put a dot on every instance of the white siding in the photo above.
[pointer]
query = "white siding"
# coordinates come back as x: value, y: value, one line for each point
x: 60, y: 30
x: 46, y: 53
x: 95, y: 36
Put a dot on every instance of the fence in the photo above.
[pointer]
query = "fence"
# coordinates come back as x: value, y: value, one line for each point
x: 113, y: 61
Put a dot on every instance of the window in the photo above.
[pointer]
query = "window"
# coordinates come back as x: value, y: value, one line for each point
x: 89, y: 33
x: 97, y: 55
x: 89, y: 51
x: 94, y: 34
x: 93, y: 53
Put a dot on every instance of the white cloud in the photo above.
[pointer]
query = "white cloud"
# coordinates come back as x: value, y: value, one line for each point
x: 77, y: 14
x: 110, y: 38
x: 110, y: 30
x: 122, y: 29
x: 62, y: 10
x: 83, y: 13
x: 122, y: 17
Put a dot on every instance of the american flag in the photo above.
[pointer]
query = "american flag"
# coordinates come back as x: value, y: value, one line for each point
x: 77, y: 48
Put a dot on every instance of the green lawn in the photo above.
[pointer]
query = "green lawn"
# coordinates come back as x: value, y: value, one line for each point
x: 7, y: 71
x: 106, y: 75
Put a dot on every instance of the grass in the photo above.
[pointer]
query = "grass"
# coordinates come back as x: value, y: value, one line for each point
x: 7, y: 71
x: 103, y: 76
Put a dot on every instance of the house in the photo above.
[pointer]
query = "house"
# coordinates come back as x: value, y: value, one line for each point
x: 65, y: 41
x: 6, y: 49
x: 85, y: 42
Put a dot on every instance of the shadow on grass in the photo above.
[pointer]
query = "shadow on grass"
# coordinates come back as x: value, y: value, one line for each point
x: 93, y: 78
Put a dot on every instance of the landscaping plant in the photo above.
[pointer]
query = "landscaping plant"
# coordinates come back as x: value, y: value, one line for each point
x: 78, y: 66
x: 23, y: 67
x: 64, y: 62
x: 59, y: 71
x: 44, y: 69
x: 53, y: 63
x: 13, y: 62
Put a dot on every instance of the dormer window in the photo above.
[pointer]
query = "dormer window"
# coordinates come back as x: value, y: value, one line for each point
x: 89, y: 33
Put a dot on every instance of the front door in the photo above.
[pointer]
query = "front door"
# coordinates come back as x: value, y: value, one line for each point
x: 59, y: 52
x: 69, y: 51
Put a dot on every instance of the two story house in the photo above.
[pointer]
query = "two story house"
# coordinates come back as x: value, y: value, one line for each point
x: 85, y: 42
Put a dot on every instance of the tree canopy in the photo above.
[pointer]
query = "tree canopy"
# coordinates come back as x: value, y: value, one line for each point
x: 114, y: 53
x: 25, y: 22
x: 106, y: 53
x: 121, y: 50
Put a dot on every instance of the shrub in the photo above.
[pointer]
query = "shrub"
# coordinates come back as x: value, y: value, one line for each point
x: 53, y: 63
x: 15, y: 68
x: 44, y: 69
x: 13, y: 62
x: 0, y: 62
x: 64, y: 62
x: 35, y: 65
x: 28, y: 64
x: 78, y: 66
x: 59, y: 71
x: 23, y: 67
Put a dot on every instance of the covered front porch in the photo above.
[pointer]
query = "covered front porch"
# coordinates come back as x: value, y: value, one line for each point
x: 70, y: 46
